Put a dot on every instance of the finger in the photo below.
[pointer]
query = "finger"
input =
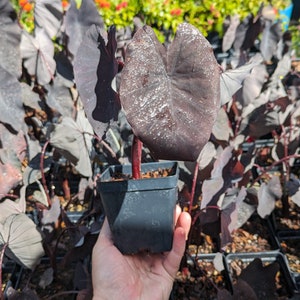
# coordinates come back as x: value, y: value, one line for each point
x: 177, y: 213
x: 105, y: 236
x: 173, y: 258
x: 184, y: 221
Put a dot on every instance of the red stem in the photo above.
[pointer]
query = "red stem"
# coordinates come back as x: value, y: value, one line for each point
x: 136, y: 157
x: 42, y: 172
x: 194, y: 183
x: 265, y: 170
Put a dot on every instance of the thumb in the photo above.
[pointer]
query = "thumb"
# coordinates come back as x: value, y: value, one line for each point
x: 173, y: 258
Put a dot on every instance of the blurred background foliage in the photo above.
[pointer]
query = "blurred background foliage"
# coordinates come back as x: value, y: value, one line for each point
x: 165, y: 15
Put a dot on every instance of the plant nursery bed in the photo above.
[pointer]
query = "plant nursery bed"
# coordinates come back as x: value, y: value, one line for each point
x: 255, y: 235
x: 259, y: 271
x: 199, y: 279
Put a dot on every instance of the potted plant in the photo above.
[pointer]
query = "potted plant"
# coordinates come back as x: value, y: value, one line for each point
x: 170, y: 97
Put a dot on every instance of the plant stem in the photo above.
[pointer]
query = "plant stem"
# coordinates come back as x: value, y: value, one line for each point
x: 136, y: 157
x: 43, y: 174
x: 194, y: 183
x: 265, y: 170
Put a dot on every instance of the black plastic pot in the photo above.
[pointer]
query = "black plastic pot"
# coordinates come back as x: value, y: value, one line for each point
x: 140, y: 212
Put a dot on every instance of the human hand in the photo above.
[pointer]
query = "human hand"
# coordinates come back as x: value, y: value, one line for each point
x: 141, y: 276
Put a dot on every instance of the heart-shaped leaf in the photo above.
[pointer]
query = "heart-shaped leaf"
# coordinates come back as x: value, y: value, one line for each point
x: 6, y: 8
x: 59, y: 96
x: 230, y: 214
x: 10, y: 56
x: 268, y: 193
x: 9, y: 207
x: 78, y: 21
x: 11, y: 106
x: 171, y: 96
x: 30, y: 98
x: 26, y: 251
x: 270, y: 38
x: 95, y: 66
x: 231, y: 80
x: 74, y: 141
x: 32, y: 172
x: 229, y: 35
x: 37, y: 53
x: 48, y: 15
x: 15, y: 143
x: 252, y: 85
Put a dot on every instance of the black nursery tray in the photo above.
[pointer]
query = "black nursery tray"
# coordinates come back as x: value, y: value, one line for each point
x: 290, y: 245
x: 11, y: 276
x: 200, y: 278
x: 284, y: 281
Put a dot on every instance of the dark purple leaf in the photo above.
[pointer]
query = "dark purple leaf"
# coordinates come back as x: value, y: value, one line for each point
x: 261, y: 278
x: 268, y: 193
x: 261, y: 121
x: 230, y: 214
x: 231, y: 80
x: 10, y: 177
x: 74, y: 141
x: 64, y: 66
x: 50, y: 216
x: 11, y: 207
x: 270, y: 37
x: 222, y: 130
x: 13, y: 142
x: 25, y: 251
x: 241, y: 290
x: 32, y: 172
x: 7, y: 13
x: 59, y: 96
x: 46, y: 278
x: 48, y: 15
x: 252, y: 85
x: 37, y: 53
x: 226, y: 170
x: 254, y: 29
x: 229, y: 35
x: 95, y: 66
x: 30, y: 98
x: 241, y: 33
x: 25, y: 294
x: 10, y: 56
x: 171, y: 95
x: 78, y: 21
x: 293, y: 185
x: 11, y: 106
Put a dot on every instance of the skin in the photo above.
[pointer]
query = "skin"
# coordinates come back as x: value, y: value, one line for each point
x: 141, y: 276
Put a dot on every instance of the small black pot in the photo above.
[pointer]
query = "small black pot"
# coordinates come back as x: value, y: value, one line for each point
x: 140, y: 212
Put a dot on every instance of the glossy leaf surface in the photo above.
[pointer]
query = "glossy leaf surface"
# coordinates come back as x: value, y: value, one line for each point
x: 171, y: 95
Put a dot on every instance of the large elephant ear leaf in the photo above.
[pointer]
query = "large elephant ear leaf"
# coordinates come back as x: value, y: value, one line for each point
x: 12, y: 111
x: 26, y: 251
x: 10, y: 56
x: 74, y: 141
x: 95, y: 67
x: 79, y: 20
x: 48, y: 15
x: 38, y: 53
x: 171, y: 95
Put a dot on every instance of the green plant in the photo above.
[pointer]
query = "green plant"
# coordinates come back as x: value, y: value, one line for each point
x: 295, y: 31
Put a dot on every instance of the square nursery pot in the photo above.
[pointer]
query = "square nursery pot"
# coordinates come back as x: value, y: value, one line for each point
x: 140, y: 212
